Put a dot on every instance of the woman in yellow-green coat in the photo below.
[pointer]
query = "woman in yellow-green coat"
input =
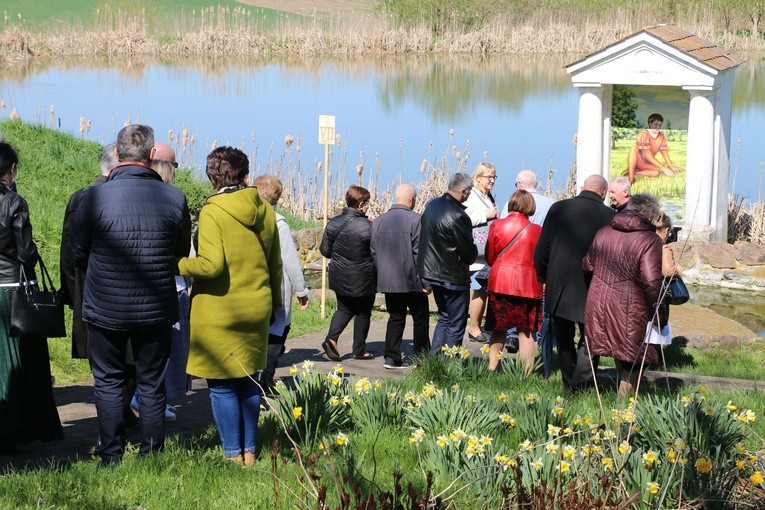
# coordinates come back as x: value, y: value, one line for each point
x: 237, y: 282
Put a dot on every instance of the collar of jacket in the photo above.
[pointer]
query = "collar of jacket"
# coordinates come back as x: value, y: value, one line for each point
x: 591, y: 195
x: 353, y: 211
x: 399, y: 206
x: 449, y: 197
x: 133, y: 170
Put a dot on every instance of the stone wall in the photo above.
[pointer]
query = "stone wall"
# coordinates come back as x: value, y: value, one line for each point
x: 307, y: 242
x: 734, y: 266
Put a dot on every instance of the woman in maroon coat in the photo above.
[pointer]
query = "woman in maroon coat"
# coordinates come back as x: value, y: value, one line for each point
x: 624, y: 263
x: 515, y: 294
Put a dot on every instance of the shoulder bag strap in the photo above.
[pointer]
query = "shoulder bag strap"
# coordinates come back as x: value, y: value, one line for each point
x: 508, y: 245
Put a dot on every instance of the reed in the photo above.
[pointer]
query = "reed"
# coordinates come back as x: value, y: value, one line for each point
x: 242, y: 32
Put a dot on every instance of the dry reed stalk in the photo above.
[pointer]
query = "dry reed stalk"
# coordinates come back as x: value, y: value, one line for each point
x: 220, y: 31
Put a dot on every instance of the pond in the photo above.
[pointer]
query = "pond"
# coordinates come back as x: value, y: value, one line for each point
x: 395, y: 116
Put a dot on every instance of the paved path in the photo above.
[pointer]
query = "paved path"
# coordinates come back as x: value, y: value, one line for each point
x: 78, y: 414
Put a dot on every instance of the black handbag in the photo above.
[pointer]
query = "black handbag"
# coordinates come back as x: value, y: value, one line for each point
x: 677, y: 292
x: 37, y: 313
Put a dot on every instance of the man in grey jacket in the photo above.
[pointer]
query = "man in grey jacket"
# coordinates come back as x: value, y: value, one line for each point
x: 394, y: 245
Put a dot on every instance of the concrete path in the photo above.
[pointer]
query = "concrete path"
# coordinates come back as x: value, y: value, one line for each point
x: 78, y: 414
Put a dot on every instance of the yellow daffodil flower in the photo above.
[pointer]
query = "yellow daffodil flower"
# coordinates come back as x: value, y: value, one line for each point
x: 417, y: 436
x: 297, y: 412
x: 653, y: 487
x: 564, y: 467
x: 756, y: 478
x: 442, y: 441
x: 568, y: 452
x: 703, y: 465
x: 342, y: 439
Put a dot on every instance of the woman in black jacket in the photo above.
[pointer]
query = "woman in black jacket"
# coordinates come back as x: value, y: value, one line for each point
x: 351, y: 272
x: 27, y: 410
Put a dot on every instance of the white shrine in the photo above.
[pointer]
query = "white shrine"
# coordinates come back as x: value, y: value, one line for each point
x: 670, y: 56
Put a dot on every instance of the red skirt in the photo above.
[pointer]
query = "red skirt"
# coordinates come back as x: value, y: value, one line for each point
x: 507, y: 312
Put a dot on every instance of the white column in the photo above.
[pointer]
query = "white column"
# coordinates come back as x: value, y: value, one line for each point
x: 589, y: 133
x: 700, y: 164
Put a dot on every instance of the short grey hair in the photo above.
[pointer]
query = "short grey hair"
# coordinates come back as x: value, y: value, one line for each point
x: 645, y: 205
x: 134, y: 142
x: 108, y: 158
x: 460, y: 181
x: 527, y: 178
x: 623, y: 182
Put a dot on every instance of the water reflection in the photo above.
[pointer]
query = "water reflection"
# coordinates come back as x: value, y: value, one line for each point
x: 520, y: 111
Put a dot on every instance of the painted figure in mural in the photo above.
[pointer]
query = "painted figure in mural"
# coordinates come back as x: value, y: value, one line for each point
x: 642, y: 156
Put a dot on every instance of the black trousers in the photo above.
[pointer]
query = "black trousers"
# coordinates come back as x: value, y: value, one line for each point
x: 358, y: 308
x: 107, y: 349
x: 397, y: 305
x: 275, y: 349
x: 574, y: 361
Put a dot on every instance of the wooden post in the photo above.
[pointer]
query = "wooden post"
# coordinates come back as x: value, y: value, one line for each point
x: 327, y: 138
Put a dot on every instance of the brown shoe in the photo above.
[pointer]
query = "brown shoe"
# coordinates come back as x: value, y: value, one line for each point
x: 249, y: 459
x: 238, y: 459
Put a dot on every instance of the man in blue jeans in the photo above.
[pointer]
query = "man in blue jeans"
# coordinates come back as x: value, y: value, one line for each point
x: 446, y: 250
x: 127, y: 234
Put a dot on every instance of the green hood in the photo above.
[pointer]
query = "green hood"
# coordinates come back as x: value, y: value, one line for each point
x: 244, y: 205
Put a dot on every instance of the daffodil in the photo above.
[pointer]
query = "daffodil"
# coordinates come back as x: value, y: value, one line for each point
x: 526, y: 446
x: 485, y: 350
x: 338, y: 369
x: 500, y: 459
x: 308, y: 365
x: 417, y: 436
x: 508, y: 420
x: 653, y: 487
x: 741, y: 464
x: 730, y: 407
x: 334, y: 401
x: 577, y: 420
x: 557, y: 410
x: 568, y: 452
x: 346, y: 400
x: 455, y: 387
x: 624, y: 447
x: 297, y: 412
x: 456, y: 436
x: 680, y: 444
x: 703, y: 465
x: 537, y: 464
x: 756, y: 478
x: 294, y: 370
x: 502, y: 397
x: 740, y: 448
x: 608, y: 463
x: 342, y: 439
x: 649, y: 458
x: 686, y: 400
x: 747, y: 416
x: 709, y: 410
x: 442, y: 441
x: 485, y: 440
x: 553, y: 430
x: 530, y: 399
x: 564, y: 467
x: 568, y: 430
x: 552, y: 448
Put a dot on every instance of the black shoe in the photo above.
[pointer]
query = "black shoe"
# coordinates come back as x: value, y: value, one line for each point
x: 511, y: 345
x: 481, y: 338
x: 391, y: 364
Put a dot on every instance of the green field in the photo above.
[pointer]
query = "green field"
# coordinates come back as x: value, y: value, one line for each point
x: 45, y: 15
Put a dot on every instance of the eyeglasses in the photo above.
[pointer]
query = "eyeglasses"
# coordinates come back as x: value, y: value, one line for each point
x: 490, y: 177
x: 173, y: 163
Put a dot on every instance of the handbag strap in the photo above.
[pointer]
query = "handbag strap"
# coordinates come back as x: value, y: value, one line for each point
x: 47, y: 282
x: 512, y: 241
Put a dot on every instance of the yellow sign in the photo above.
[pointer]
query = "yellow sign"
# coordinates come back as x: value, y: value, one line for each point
x: 327, y: 129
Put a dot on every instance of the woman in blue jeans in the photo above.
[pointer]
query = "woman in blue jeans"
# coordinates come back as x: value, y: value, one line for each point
x: 237, y: 283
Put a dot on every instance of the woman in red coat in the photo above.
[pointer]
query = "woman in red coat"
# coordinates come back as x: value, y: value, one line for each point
x: 624, y: 263
x: 515, y: 294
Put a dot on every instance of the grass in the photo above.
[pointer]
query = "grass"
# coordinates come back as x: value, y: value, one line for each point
x: 39, y: 16
x: 190, y: 473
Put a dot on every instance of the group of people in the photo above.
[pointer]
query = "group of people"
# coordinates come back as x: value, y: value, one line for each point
x: 577, y: 265
x: 150, y: 310
x: 127, y: 267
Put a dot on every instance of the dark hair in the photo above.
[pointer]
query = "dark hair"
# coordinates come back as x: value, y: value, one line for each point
x: 645, y: 205
x: 521, y: 201
x: 356, y: 195
x: 227, y: 166
x: 664, y: 222
x: 655, y: 116
x: 134, y: 143
x: 8, y: 158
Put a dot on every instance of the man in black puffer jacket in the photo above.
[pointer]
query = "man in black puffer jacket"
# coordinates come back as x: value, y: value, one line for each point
x: 127, y: 234
x: 445, y: 254
x: 352, y: 273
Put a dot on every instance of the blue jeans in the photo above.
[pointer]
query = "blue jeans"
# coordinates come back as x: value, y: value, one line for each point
x: 236, y: 409
x: 452, y: 317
